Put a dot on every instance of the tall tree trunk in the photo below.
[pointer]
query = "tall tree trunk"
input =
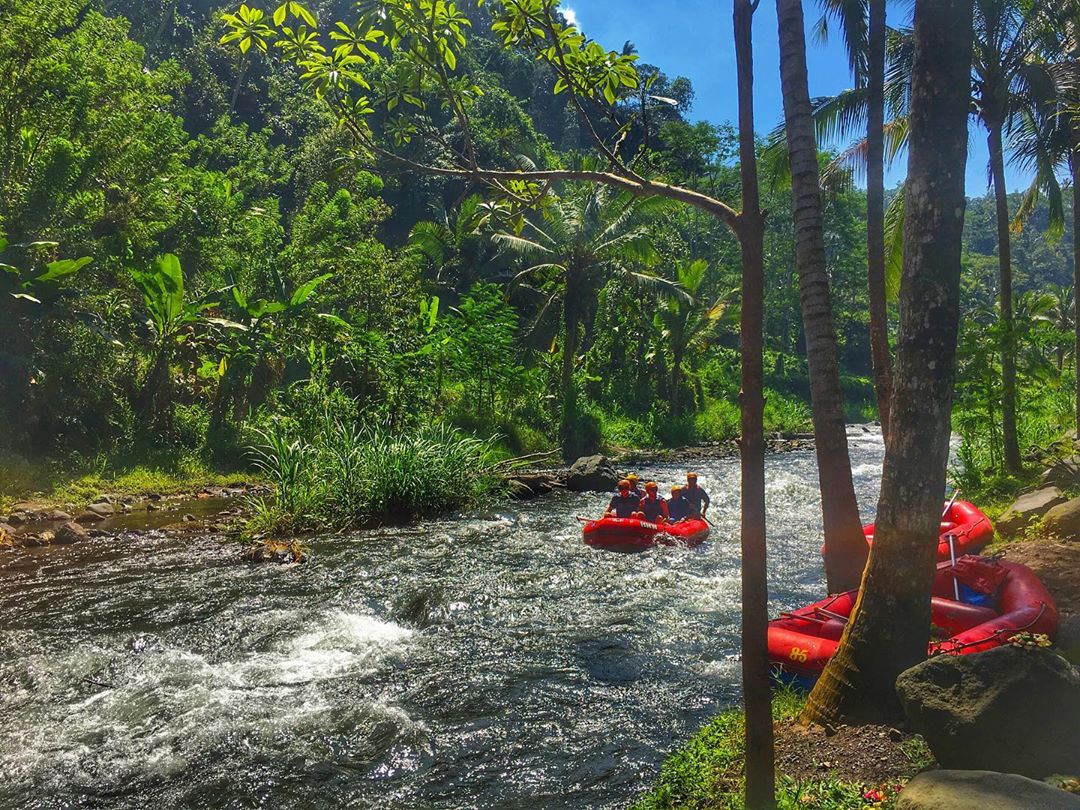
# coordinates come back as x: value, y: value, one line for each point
x: 875, y: 214
x: 568, y: 396
x: 1013, y: 463
x: 1074, y: 170
x: 757, y: 695
x: 244, y: 64
x: 845, y: 544
x: 675, y: 398
x: 889, y: 629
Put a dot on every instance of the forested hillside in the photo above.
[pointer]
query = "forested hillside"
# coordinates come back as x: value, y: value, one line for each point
x: 307, y: 281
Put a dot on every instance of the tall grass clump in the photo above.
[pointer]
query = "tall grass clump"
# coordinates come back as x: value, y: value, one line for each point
x: 348, y: 475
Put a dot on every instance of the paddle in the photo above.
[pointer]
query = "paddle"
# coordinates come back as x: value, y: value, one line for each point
x: 951, y: 539
x: 949, y: 505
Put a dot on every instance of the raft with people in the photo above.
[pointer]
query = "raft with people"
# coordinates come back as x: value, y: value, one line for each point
x: 632, y: 535
x: 635, y: 520
x: 978, y: 603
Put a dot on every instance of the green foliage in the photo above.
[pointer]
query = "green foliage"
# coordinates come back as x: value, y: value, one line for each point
x: 707, y: 772
x: 337, y: 472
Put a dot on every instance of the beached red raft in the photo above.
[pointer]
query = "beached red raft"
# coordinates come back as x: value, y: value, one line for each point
x: 1001, y: 599
x: 630, y: 534
x: 970, y: 528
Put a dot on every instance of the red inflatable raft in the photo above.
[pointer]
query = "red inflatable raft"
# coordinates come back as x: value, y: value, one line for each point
x: 630, y: 534
x: 970, y: 528
x: 801, y: 642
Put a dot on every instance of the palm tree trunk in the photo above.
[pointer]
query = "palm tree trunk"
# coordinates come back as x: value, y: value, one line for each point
x: 1013, y: 463
x: 875, y: 214
x: 757, y: 694
x: 889, y: 629
x: 845, y: 544
x: 676, y: 383
x: 1074, y: 171
x: 239, y: 84
x: 566, y: 378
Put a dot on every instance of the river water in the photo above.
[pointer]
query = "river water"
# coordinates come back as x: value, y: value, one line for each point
x: 484, y: 660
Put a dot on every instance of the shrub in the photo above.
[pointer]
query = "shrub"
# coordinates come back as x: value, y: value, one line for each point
x: 346, y: 475
x: 719, y: 421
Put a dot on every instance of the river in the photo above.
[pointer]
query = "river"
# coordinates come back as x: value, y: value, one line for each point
x: 482, y: 660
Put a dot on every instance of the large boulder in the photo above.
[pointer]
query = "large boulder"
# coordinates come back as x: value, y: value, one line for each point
x: 1029, y: 508
x: 592, y: 474
x: 1063, y: 520
x: 1007, y: 709
x: 1064, y: 473
x: 982, y: 790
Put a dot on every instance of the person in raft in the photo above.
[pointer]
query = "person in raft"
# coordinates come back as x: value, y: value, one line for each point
x: 635, y: 490
x: 695, y: 496
x: 653, y: 508
x: 623, y: 503
x: 678, y: 508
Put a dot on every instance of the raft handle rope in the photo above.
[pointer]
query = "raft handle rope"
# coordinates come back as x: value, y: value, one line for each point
x: 995, y: 636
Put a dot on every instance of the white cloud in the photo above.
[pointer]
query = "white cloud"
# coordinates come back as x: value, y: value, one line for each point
x: 570, y: 14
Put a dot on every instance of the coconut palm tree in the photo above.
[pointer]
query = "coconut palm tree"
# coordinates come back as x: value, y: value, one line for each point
x: 1006, y: 36
x: 862, y: 23
x: 458, y: 246
x: 845, y: 544
x: 1048, y: 140
x: 889, y: 628
x: 584, y: 237
x: 689, y: 324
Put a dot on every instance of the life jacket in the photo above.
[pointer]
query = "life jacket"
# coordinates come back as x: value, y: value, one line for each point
x: 624, y: 505
x: 653, y: 508
x: 678, y: 508
x: 694, y: 496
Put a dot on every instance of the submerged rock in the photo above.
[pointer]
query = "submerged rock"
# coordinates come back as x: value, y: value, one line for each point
x: 101, y: 508
x: 531, y: 485
x: 71, y: 532
x: 1006, y: 709
x: 277, y: 551
x: 982, y: 790
x: 592, y: 474
x: 1029, y: 508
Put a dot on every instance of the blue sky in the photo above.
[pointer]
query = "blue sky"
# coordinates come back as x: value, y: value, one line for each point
x: 693, y: 38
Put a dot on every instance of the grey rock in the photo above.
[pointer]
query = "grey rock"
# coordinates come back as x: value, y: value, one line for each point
x: 1006, y: 709
x: 71, y: 532
x: 1064, y: 473
x: 1029, y: 508
x: 38, y: 540
x: 982, y: 790
x: 524, y: 487
x: 8, y: 529
x: 89, y: 517
x: 1064, y: 520
x: 58, y: 515
x: 101, y: 508
x: 592, y: 474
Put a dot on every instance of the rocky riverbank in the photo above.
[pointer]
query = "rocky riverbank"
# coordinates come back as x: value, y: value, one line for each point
x: 222, y: 510
x: 215, y: 510
x: 601, y: 473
